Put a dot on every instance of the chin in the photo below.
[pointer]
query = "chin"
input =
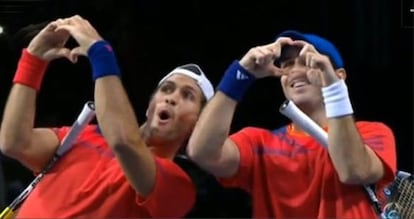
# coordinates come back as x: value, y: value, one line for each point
x: 299, y: 99
x: 161, y: 135
x: 303, y: 100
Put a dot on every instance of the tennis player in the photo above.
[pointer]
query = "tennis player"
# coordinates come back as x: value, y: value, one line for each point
x: 289, y: 173
x: 118, y: 169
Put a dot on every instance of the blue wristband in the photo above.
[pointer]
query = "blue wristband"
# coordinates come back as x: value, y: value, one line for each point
x: 103, y: 60
x: 236, y: 81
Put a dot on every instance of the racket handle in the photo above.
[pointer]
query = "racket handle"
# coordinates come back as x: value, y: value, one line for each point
x: 7, y: 213
x: 84, y: 118
x: 291, y: 111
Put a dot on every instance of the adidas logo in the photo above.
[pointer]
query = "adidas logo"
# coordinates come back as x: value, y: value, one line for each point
x: 241, y: 76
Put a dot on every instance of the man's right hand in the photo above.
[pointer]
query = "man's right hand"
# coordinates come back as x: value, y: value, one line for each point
x: 259, y: 60
x: 49, y: 44
x: 83, y: 32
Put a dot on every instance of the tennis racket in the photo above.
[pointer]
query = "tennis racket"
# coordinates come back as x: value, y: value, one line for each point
x: 399, y: 203
x: 290, y: 110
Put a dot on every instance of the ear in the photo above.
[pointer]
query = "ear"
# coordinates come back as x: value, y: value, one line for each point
x: 341, y: 73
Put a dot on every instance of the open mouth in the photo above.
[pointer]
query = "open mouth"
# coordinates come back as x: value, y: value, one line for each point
x: 297, y: 84
x: 164, y: 115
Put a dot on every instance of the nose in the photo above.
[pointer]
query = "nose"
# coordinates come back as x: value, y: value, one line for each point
x: 172, y: 98
x: 170, y: 101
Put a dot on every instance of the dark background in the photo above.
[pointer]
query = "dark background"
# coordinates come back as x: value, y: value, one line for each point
x: 152, y: 37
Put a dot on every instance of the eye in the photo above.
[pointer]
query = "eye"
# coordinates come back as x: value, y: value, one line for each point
x: 167, y: 88
x: 188, y: 95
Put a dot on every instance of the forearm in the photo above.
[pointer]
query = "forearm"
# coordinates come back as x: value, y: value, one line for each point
x: 213, y: 128
x: 18, y: 116
x: 114, y: 111
x: 18, y: 119
x: 119, y: 125
x: 354, y: 161
x: 207, y: 144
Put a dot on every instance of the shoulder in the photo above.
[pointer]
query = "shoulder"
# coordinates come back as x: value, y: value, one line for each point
x: 88, y: 130
x: 171, y: 168
x: 373, y: 126
x: 255, y: 132
x: 250, y: 130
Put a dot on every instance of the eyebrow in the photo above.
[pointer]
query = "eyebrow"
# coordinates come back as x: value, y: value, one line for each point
x: 190, y: 88
x: 185, y: 86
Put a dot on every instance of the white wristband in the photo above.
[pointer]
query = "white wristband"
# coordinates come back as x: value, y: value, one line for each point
x: 336, y: 100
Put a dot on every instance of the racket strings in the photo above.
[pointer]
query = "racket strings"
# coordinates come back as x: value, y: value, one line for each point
x: 406, y: 198
x: 401, y: 198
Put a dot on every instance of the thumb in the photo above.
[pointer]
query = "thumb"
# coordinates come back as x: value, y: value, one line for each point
x: 56, y: 53
x: 315, y: 77
x: 275, y: 71
x: 75, y: 52
x: 62, y: 52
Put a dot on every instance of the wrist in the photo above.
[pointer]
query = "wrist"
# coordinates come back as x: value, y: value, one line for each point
x: 37, y: 52
x: 103, y: 60
x: 336, y: 99
x: 236, y: 81
x: 30, y: 70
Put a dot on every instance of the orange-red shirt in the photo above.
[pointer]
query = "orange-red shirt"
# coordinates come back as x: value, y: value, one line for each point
x: 290, y: 175
x: 88, y: 182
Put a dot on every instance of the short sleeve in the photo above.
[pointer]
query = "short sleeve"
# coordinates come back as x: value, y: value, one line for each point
x: 174, y: 193
x: 246, y: 141
x: 61, y: 132
x: 380, y: 138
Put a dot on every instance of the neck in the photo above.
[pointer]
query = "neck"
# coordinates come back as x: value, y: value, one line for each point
x: 165, y: 149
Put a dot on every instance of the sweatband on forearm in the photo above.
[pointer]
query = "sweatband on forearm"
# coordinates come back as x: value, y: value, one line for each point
x: 336, y: 98
x: 103, y: 60
x: 236, y: 81
x: 30, y: 70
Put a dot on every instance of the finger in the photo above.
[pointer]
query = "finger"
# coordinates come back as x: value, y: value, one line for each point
x: 284, y: 41
x: 77, y: 19
x: 304, y: 50
x: 258, y: 55
x: 56, y: 53
x: 314, y: 76
x: 275, y: 71
x: 265, y: 54
x: 59, y: 22
x: 88, y: 24
x: 51, y: 26
x: 271, y: 50
x: 62, y: 52
x: 78, y: 51
x: 279, y: 44
x: 66, y: 27
x: 316, y: 61
x: 310, y: 60
x: 300, y: 43
x: 73, y: 59
x: 308, y: 57
x: 306, y: 47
